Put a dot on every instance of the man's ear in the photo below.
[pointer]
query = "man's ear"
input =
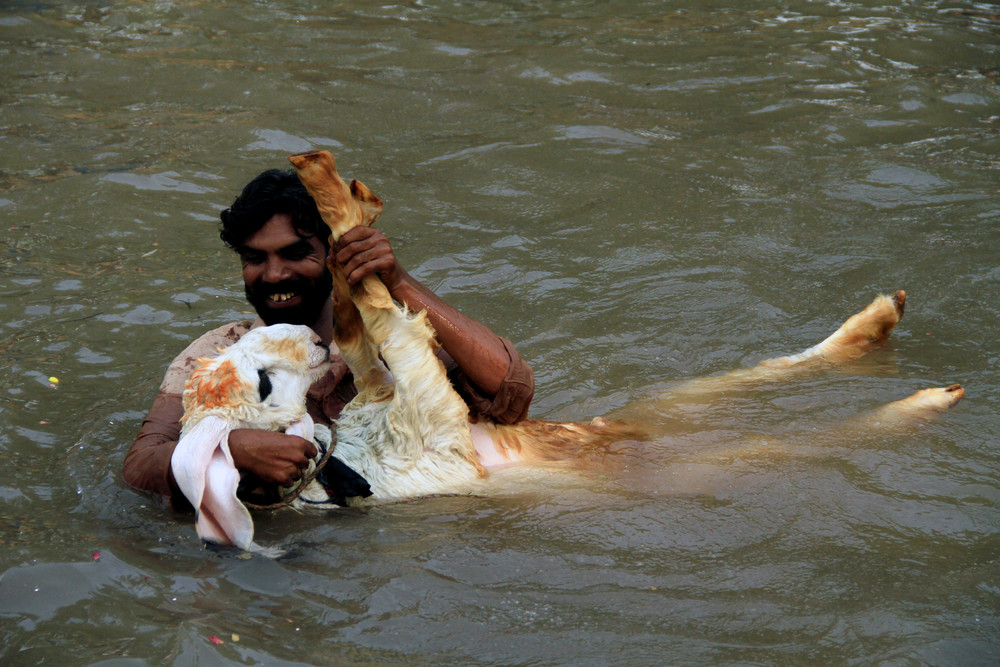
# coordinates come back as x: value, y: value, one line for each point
x: 371, y: 205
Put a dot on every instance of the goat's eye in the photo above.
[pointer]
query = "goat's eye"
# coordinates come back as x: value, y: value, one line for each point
x: 263, y: 384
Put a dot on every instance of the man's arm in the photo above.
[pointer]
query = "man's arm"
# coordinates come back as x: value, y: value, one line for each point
x: 147, y: 464
x: 488, y: 361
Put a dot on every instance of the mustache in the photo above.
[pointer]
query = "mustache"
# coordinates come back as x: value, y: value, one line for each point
x: 298, y: 285
x: 314, y: 295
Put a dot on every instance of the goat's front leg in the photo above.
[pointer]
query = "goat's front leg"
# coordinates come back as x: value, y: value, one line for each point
x: 342, y: 208
x: 426, y: 412
x: 356, y: 346
x: 424, y: 398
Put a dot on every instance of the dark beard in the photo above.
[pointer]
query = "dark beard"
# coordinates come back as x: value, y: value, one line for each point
x: 314, y: 298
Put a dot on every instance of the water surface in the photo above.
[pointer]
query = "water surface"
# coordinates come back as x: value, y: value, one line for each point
x: 635, y: 193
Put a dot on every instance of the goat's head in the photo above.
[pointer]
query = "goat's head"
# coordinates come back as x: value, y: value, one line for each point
x: 262, y: 379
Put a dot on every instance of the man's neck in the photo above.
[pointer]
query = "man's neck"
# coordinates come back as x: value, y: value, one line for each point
x: 323, y: 325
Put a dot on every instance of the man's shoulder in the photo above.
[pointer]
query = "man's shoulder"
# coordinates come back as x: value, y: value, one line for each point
x: 207, y: 345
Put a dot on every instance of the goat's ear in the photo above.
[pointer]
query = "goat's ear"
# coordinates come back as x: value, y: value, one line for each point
x: 214, y: 384
x: 371, y: 205
x: 210, y: 487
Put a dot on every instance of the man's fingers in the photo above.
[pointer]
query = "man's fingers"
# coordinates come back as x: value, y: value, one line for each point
x: 366, y: 264
x: 275, y: 457
x: 363, y: 238
x: 360, y: 233
x: 359, y: 253
x: 310, y: 451
x: 366, y: 252
x: 283, y: 476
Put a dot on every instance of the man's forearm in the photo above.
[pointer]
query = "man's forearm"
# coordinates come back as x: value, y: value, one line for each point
x: 472, y: 345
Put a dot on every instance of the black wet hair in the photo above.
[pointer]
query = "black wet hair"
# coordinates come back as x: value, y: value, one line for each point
x: 272, y: 192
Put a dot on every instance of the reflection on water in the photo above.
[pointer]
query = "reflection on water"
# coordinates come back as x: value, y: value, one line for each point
x: 635, y: 193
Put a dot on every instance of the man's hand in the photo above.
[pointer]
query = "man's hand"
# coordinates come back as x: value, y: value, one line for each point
x: 273, y: 457
x: 365, y: 251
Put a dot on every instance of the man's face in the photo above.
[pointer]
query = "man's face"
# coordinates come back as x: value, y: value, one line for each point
x: 285, y: 276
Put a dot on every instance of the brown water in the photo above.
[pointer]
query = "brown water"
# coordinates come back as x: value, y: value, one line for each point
x: 636, y: 193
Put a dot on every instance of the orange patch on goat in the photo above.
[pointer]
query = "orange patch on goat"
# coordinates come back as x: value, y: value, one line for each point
x: 213, y: 386
x: 288, y: 349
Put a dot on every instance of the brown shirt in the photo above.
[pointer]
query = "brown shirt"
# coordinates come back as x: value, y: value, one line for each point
x: 147, y: 464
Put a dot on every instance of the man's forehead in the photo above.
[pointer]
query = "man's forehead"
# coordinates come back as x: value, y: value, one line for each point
x: 254, y: 243
x: 280, y: 234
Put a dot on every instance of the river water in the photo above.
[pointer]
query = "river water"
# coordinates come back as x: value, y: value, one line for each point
x: 635, y: 193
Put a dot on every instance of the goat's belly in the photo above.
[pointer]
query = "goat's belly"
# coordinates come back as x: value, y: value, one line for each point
x: 406, y: 463
x: 428, y: 475
x: 491, y: 455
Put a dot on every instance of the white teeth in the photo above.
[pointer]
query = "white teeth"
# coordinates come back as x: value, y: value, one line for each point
x: 278, y: 298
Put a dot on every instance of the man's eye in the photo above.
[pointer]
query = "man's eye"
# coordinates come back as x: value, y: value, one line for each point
x: 297, y: 255
x: 251, y: 258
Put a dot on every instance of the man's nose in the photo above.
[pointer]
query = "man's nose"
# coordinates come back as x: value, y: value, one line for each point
x: 276, y: 270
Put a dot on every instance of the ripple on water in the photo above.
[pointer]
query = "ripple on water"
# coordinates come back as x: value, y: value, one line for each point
x: 632, y: 192
x: 168, y: 181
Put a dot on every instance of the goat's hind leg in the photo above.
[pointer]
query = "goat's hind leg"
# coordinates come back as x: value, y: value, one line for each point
x: 858, y: 335
x: 922, y: 406
x: 898, y: 418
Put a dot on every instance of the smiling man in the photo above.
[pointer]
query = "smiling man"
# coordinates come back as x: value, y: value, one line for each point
x: 282, y: 243
x: 285, y: 277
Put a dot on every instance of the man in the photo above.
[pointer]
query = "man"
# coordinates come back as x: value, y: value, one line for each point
x: 283, y: 245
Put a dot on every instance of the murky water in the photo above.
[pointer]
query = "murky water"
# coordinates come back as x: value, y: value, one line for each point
x: 636, y: 193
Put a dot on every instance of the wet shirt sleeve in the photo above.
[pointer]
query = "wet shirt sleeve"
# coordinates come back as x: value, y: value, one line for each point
x: 512, y: 400
x: 147, y: 464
